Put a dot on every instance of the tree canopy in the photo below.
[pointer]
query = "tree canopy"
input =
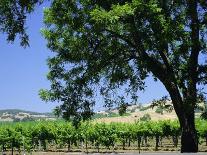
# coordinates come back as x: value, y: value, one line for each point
x: 13, y: 15
x: 111, y: 45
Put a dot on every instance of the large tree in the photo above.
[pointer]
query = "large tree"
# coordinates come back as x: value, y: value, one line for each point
x: 13, y: 15
x: 113, y: 44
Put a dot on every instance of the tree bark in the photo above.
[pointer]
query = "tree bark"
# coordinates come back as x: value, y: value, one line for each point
x: 206, y: 139
x: 184, y: 109
x: 189, y: 139
x: 160, y: 141
x: 69, y: 145
x: 86, y: 146
x: 175, y: 140
x: 12, y: 151
x: 157, y: 142
x: 145, y: 141
x: 139, y: 142
x: 139, y: 139
x: 97, y: 146
x: 123, y: 144
x: 129, y: 142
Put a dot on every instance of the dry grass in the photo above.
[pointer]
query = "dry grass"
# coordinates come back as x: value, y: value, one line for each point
x: 137, y: 115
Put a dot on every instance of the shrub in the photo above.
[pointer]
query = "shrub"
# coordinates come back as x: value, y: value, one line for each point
x: 145, y: 117
x: 159, y: 110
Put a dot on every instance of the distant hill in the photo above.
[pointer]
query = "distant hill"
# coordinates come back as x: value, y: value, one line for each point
x: 23, y: 115
x: 16, y: 111
x: 136, y: 112
x: 133, y: 113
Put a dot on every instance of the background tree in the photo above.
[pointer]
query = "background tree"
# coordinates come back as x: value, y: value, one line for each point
x: 162, y: 105
x: 122, y: 109
x: 13, y: 15
x: 112, y: 45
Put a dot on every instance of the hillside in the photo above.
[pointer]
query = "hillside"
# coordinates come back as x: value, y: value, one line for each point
x: 16, y: 111
x: 135, y: 113
x: 17, y: 115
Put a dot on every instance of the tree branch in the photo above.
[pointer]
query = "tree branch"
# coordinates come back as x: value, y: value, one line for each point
x: 161, y: 72
x: 202, y: 69
x: 165, y: 60
x: 193, y: 60
x: 121, y: 37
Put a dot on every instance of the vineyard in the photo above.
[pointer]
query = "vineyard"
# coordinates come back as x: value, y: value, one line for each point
x: 99, y: 137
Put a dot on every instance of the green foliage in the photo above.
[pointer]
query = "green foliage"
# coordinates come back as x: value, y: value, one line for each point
x: 145, y: 117
x: 162, y: 105
x: 159, y: 110
x: 114, y: 45
x: 204, y: 115
x: 13, y: 15
x: 110, y: 114
x: 60, y: 133
x: 204, y: 111
x: 122, y: 109
x: 97, y: 115
x: 201, y: 127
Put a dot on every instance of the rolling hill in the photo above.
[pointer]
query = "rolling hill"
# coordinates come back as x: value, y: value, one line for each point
x: 133, y: 113
x: 136, y: 113
x: 22, y: 115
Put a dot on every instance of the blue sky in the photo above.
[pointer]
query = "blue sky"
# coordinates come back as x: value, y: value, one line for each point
x: 23, y: 72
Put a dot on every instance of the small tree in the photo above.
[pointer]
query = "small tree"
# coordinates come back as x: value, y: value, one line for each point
x: 145, y: 117
x: 122, y: 109
x: 162, y: 105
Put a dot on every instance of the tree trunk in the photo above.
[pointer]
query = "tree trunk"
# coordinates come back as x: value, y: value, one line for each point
x: 160, y: 141
x: 86, y: 146
x: 157, y: 142
x: 123, y: 144
x: 97, y: 146
x: 139, y: 143
x: 44, y: 144
x: 142, y: 140
x: 68, y: 145
x: 189, y: 139
x: 129, y: 142
x: 39, y: 145
x: 184, y: 108
x: 175, y: 140
x: 12, y: 146
x: 145, y: 141
x: 206, y: 139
